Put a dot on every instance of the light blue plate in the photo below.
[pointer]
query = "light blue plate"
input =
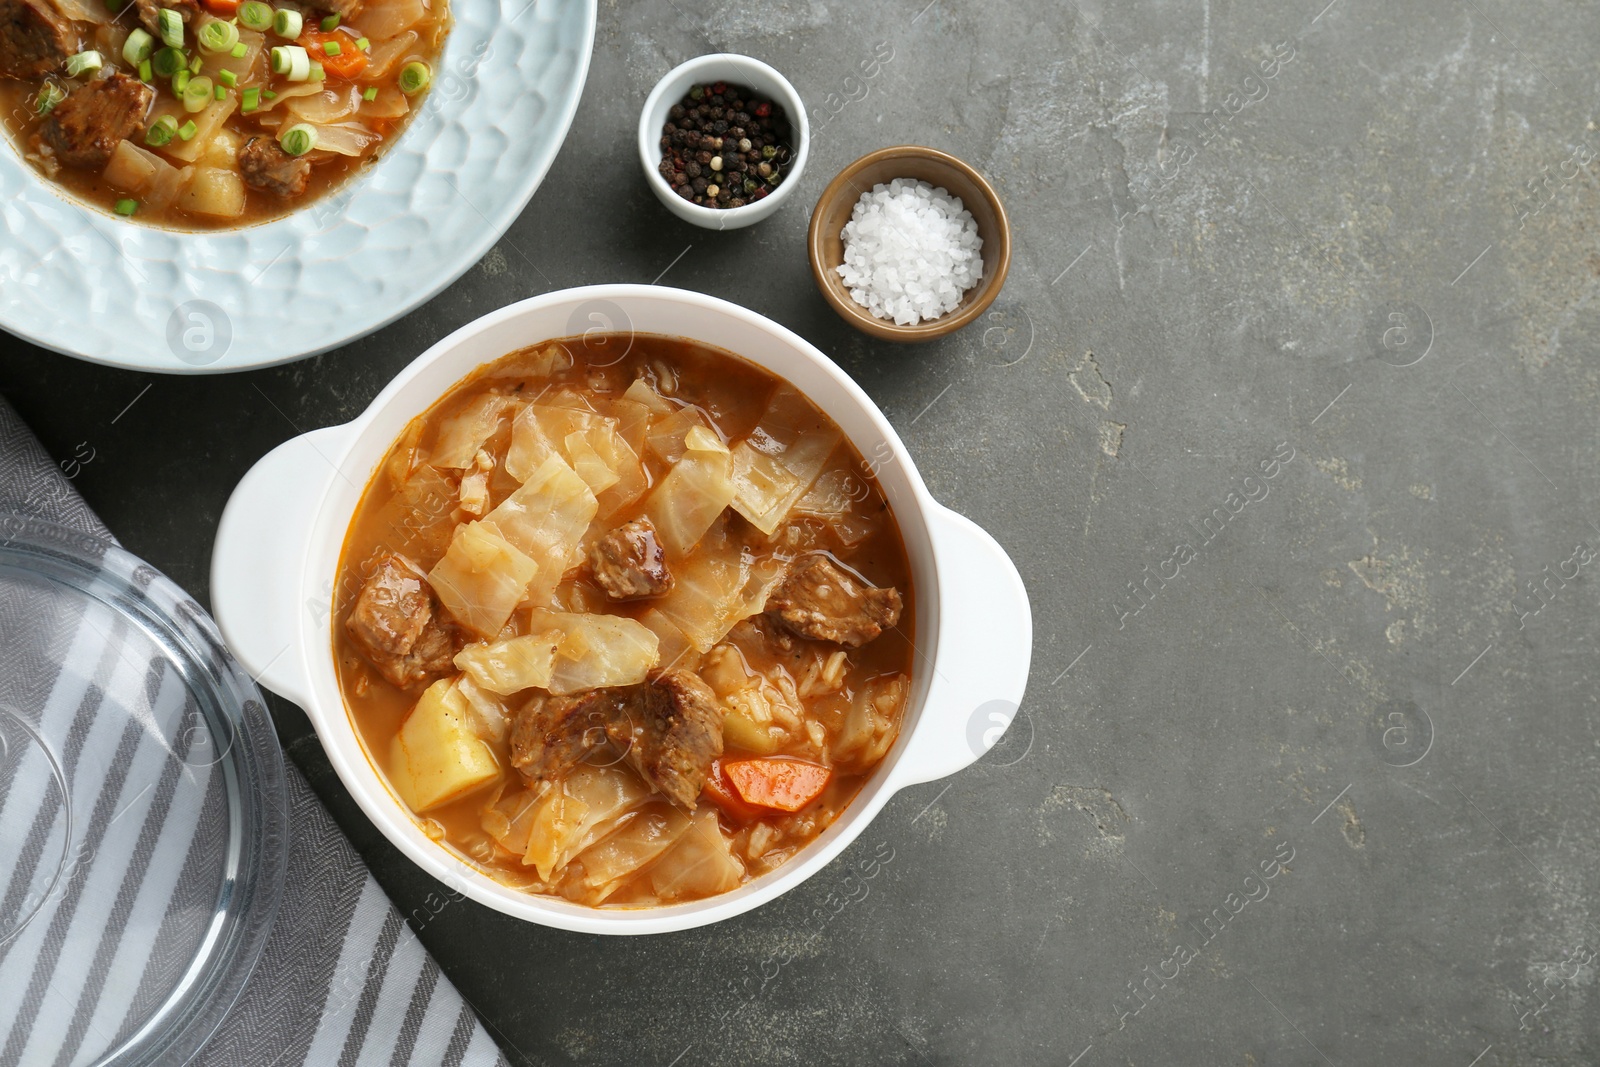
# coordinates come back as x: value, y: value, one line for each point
x: 82, y: 281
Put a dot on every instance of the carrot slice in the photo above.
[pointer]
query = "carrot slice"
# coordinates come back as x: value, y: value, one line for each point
x: 720, y: 792
x: 223, y: 9
x: 348, y: 64
x: 780, y: 782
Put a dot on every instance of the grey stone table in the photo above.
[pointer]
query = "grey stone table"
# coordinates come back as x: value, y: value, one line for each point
x: 1287, y: 415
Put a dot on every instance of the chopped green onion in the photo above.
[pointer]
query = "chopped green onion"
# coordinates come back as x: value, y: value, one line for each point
x: 414, y: 77
x: 291, y: 61
x: 197, y: 94
x: 146, y: 72
x: 180, y: 81
x: 167, y: 62
x: 170, y: 23
x: 298, y: 139
x: 83, y: 63
x: 332, y: 48
x: 317, y: 73
x: 240, y: 50
x: 255, y: 15
x: 187, y: 131
x: 363, y: 44
x: 218, y: 36
x: 330, y: 23
x: 228, y: 78
x: 49, y: 96
x: 195, y: 65
x: 286, y: 23
x: 114, y: 6
x: 219, y: 93
x: 161, y: 131
x: 250, y: 99
x: 370, y: 93
x: 268, y: 94
x: 138, y: 47
x: 127, y: 207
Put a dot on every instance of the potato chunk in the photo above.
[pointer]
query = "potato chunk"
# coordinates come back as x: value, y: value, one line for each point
x: 437, y: 755
x: 214, y: 191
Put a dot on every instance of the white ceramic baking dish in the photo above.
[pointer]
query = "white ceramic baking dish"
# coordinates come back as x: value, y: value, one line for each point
x: 272, y: 574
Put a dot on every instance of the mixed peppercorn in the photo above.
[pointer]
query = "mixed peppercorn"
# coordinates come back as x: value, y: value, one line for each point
x: 724, y: 146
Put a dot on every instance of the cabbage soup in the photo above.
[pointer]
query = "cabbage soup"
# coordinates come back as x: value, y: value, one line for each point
x: 624, y: 619
x: 201, y: 114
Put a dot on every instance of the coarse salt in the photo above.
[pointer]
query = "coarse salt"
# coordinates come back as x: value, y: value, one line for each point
x: 910, y: 251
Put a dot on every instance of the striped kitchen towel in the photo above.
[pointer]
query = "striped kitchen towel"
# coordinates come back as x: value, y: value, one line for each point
x: 342, y: 980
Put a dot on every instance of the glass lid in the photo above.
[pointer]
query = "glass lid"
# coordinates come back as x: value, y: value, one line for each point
x: 142, y: 822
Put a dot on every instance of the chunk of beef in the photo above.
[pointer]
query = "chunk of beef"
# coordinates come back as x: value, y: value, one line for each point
x: 149, y: 12
x: 84, y: 129
x: 395, y: 623
x: 671, y: 728
x: 265, y: 165
x: 553, y: 734
x: 35, y: 38
x: 393, y: 607
x: 668, y: 729
x: 629, y: 563
x: 822, y: 601
x: 433, y: 656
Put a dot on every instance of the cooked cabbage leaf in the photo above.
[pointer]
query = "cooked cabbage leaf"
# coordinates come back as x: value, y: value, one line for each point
x: 509, y: 819
x: 713, y: 590
x: 833, y: 500
x: 642, y: 392
x: 546, y: 519
x: 633, y: 421
x: 701, y: 439
x: 592, y: 467
x: 667, y: 436
x: 596, y: 650
x: 530, y: 444
x: 674, y: 649
x: 582, y: 810
x: 540, y: 363
x: 695, y: 491
x: 613, y: 449
x: 629, y: 850
x: 462, y: 434
x: 482, y: 577
x: 779, y: 461
x: 489, y: 716
x: 701, y: 864
x: 593, y: 444
x: 541, y: 429
x: 512, y: 665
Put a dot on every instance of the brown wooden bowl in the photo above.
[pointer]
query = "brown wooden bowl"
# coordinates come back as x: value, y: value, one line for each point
x: 838, y: 200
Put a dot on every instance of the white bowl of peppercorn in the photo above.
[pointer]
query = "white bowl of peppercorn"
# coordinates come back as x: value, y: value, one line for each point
x: 723, y: 139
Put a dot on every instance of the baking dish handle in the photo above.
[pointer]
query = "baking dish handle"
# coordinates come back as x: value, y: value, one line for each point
x: 980, y: 661
x: 258, y: 562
